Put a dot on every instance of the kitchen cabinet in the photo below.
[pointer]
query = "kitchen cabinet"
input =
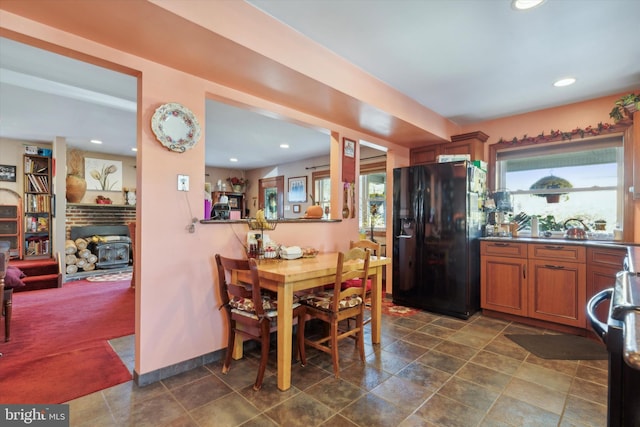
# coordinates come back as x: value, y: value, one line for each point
x: 472, y: 143
x: 540, y: 281
x: 557, y: 291
x: 602, y: 266
x: 37, y: 206
x: 503, y: 277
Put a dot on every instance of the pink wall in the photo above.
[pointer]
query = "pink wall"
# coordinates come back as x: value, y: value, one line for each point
x: 176, y: 306
x: 565, y: 118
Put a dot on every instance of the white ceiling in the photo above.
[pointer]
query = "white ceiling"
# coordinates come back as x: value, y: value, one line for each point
x: 467, y: 60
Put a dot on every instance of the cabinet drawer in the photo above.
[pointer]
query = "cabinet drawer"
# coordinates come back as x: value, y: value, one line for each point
x: 557, y: 252
x: 606, y: 257
x: 8, y: 211
x: 503, y: 248
x: 8, y: 227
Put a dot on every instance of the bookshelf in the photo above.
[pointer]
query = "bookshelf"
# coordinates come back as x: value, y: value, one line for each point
x: 37, y: 206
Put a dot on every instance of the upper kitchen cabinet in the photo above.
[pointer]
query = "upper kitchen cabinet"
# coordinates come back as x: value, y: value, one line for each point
x: 472, y: 143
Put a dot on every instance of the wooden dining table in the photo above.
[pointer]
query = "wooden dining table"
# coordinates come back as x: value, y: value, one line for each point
x: 288, y: 276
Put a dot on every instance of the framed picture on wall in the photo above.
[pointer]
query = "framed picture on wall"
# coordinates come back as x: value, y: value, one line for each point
x: 234, y: 201
x: 298, y: 189
x: 7, y: 173
x: 296, y: 209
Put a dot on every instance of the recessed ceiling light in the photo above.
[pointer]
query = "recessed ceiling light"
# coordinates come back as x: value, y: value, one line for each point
x: 525, y: 4
x: 134, y: 149
x: 96, y: 141
x: 233, y: 159
x: 565, y: 82
x: 284, y: 145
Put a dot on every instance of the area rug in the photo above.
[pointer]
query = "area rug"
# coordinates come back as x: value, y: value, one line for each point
x: 391, y: 309
x: 113, y: 277
x: 560, y: 347
x: 58, y: 349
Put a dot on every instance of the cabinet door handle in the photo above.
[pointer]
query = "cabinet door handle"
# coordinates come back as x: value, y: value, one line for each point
x: 524, y: 271
x: 501, y: 245
x: 554, y: 247
x: 554, y: 267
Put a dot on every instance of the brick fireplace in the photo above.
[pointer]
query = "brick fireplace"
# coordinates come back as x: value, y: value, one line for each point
x: 80, y: 214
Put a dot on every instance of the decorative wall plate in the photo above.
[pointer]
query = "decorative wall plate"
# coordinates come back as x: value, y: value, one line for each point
x: 175, y: 127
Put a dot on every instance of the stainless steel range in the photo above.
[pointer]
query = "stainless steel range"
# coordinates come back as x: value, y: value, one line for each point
x: 621, y: 334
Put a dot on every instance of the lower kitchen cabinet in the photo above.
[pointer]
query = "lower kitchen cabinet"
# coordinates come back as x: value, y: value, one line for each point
x: 557, y: 292
x: 602, y: 266
x: 548, y: 282
x: 503, y: 285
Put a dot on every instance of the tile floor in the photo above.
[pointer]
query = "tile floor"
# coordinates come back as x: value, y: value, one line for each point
x: 429, y: 370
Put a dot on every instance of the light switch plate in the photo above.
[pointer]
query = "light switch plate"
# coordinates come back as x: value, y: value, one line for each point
x: 183, y: 182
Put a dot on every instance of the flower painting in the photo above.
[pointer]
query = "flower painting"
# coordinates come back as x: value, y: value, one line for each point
x: 105, y: 175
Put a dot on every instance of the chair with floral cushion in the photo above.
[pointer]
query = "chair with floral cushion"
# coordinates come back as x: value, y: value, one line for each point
x: 337, y: 305
x: 375, y: 248
x: 251, y: 312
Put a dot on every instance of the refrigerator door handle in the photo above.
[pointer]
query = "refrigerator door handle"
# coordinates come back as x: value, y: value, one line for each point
x: 404, y: 236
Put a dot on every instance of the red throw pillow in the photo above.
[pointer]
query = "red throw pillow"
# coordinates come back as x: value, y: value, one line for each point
x: 12, y: 278
x: 355, y: 283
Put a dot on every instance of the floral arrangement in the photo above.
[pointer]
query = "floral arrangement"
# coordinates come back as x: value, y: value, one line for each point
x: 234, y: 180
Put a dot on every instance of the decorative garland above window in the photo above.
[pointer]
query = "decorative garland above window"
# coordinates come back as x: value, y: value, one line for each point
x: 558, y: 135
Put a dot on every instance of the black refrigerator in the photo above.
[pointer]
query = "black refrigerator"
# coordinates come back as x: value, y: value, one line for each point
x: 438, y: 218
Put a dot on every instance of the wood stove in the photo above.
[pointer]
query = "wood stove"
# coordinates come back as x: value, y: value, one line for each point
x: 112, y: 249
x: 112, y: 253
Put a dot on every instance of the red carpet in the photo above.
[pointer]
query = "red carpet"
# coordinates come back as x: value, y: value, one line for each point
x: 58, y: 349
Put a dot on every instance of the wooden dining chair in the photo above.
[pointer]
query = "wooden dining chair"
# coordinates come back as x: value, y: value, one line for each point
x: 334, y: 306
x: 375, y: 248
x: 251, y: 312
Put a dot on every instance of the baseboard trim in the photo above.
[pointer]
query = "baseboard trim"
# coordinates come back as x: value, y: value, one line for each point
x: 148, y: 378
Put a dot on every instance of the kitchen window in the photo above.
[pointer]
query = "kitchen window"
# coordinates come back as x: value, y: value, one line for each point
x: 594, y: 168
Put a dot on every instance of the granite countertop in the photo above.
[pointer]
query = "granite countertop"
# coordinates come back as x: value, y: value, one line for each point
x: 563, y: 241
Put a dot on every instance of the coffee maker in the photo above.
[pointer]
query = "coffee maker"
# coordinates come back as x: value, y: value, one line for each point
x: 220, y: 211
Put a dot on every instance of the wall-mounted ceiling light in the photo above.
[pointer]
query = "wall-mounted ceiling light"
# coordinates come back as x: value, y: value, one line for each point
x: 96, y: 141
x: 284, y: 145
x: 564, y: 82
x: 525, y: 4
x: 233, y: 159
